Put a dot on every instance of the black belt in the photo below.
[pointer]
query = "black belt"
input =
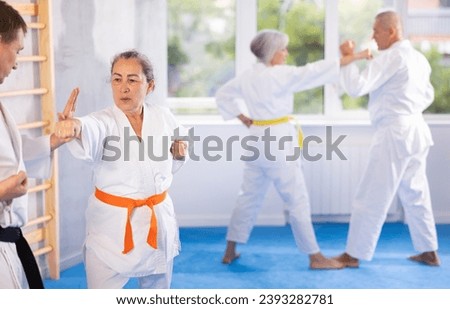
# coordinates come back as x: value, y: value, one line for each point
x: 14, y: 235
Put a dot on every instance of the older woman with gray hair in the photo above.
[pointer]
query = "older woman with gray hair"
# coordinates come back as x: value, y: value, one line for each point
x: 267, y: 89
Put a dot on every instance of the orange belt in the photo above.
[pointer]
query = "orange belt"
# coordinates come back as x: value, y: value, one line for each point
x: 130, y: 204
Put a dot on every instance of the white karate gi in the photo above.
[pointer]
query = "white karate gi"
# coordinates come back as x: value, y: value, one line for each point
x: 134, y: 175
x: 268, y: 94
x: 398, y: 83
x: 14, y: 149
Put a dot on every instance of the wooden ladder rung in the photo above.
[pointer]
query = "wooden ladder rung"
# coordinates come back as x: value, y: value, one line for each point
x: 34, y: 58
x: 43, y: 187
x: 23, y: 92
x: 30, y: 9
x: 38, y: 220
x: 35, y: 236
x: 38, y: 26
x: 42, y: 251
x: 33, y: 125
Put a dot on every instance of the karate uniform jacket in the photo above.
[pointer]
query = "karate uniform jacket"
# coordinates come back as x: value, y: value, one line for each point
x: 124, y: 167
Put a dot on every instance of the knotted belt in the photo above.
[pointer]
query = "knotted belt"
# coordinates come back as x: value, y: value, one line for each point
x: 271, y: 122
x: 130, y: 204
x: 14, y: 235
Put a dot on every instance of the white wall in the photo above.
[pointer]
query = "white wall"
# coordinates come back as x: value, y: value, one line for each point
x: 439, y: 171
x: 204, y: 192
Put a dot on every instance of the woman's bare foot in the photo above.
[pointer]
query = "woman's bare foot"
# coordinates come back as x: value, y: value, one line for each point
x: 347, y: 260
x: 318, y: 261
x: 228, y: 259
x: 230, y: 253
x: 430, y: 258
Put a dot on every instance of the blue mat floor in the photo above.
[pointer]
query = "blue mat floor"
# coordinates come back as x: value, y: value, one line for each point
x: 270, y: 260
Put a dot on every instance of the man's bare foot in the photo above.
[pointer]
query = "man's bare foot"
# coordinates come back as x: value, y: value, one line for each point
x: 318, y: 261
x: 347, y: 260
x: 430, y: 258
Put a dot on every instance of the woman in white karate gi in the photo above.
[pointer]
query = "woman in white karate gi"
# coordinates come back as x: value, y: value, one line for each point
x: 267, y: 89
x: 131, y: 226
x: 20, y: 157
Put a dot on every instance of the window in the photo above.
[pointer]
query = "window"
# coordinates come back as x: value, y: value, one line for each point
x: 201, y: 48
x: 355, y: 23
x: 303, y: 21
x: 208, y: 44
x: 428, y: 28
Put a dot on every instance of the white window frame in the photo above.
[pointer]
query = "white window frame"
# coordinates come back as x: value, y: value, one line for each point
x: 246, y: 28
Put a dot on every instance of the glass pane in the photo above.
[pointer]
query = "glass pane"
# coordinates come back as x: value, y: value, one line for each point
x: 356, y: 19
x: 303, y: 22
x: 428, y: 28
x: 201, y: 48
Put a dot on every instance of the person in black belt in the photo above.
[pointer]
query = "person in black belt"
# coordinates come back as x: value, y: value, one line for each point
x: 20, y: 157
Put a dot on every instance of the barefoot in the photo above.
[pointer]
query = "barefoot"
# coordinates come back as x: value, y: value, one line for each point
x: 230, y: 253
x: 428, y: 258
x: 318, y: 261
x: 228, y: 259
x: 347, y: 260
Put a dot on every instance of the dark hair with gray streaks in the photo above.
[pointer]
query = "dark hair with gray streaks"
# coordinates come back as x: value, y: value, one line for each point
x: 147, y: 67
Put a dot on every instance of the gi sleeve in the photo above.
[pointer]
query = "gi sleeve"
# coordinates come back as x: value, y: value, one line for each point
x: 229, y: 100
x: 377, y: 72
x: 91, y: 144
x: 37, y: 156
x: 309, y: 76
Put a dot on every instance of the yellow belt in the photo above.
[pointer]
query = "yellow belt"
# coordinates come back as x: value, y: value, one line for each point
x: 271, y: 122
